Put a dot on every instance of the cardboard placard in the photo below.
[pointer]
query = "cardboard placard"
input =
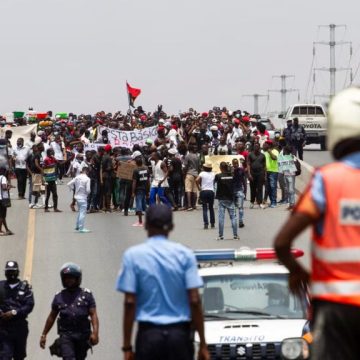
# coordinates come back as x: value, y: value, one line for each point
x: 125, y: 170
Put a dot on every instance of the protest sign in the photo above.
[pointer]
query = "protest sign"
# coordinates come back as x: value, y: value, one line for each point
x: 215, y: 160
x: 129, y: 138
x: 286, y: 164
x: 125, y: 170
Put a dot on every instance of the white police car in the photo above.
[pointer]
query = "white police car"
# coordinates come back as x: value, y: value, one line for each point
x: 248, y: 308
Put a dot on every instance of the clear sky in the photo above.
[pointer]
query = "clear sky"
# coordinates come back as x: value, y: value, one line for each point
x: 75, y: 55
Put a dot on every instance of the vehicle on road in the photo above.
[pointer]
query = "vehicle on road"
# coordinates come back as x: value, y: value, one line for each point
x: 248, y: 308
x: 273, y: 132
x: 314, y: 120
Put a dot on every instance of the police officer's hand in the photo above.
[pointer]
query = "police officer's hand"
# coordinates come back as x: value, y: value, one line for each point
x: 129, y: 355
x: 94, y: 339
x: 203, y: 353
x: 299, y: 280
x: 6, y: 315
x: 42, y: 341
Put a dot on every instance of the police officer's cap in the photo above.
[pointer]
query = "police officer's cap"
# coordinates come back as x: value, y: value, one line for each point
x: 11, y: 265
x: 159, y: 216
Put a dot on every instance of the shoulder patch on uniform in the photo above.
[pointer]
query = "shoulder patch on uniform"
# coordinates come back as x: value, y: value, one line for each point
x: 87, y: 290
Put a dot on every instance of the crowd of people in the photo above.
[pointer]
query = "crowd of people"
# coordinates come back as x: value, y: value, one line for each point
x: 174, y: 167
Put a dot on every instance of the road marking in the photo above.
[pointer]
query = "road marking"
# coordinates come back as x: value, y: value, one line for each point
x: 29, y: 254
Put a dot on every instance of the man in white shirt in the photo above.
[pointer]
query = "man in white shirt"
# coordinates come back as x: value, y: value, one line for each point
x: 20, y: 156
x: 81, y: 186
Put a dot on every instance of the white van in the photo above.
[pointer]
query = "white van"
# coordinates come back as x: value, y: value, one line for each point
x: 313, y: 118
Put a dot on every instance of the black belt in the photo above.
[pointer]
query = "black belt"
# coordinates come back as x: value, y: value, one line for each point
x: 144, y: 325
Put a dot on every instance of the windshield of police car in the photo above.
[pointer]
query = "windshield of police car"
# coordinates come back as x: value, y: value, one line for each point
x: 251, y: 296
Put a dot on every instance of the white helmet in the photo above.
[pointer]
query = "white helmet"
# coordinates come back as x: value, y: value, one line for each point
x: 344, y: 116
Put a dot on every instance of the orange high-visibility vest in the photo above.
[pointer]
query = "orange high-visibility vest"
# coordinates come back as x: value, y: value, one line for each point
x: 336, y: 252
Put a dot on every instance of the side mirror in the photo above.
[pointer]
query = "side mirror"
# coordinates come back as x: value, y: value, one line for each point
x: 281, y: 116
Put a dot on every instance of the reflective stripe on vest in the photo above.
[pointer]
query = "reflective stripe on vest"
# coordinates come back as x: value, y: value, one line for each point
x: 336, y: 255
x: 335, y: 287
x: 336, y: 252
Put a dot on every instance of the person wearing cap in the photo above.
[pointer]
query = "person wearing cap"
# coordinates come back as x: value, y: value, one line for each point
x: 160, y: 281
x: 17, y: 304
x: 331, y: 206
x: 298, y: 138
x: 287, y: 132
x: 205, y: 183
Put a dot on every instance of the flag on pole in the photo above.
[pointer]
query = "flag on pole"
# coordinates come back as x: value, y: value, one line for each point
x: 132, y: 93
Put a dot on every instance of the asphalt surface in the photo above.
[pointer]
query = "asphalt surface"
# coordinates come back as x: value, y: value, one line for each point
x: 99, y: 254
x: 315, y: 157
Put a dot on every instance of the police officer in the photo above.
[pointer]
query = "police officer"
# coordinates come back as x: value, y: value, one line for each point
x: 160, y: 280
x: 331, y: 204
x: 17, y: 302
x: 74, y: 305
x: 298, y: 138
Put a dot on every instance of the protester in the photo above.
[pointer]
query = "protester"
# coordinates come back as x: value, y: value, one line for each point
x: 225, y: 196
x: 256, y: 173
x: 140, y: 187
x: 81, y: 187
x: 20, y: 156
x: 239, y: 186
x: 271, y: 155
x: 205, y: 182
x: 50, y: 177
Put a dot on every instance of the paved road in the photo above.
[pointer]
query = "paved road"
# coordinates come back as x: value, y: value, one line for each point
x: 99, y: 253
x: 315, y: 157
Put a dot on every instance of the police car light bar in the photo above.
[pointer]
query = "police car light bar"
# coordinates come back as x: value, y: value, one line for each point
x: 242, y: 254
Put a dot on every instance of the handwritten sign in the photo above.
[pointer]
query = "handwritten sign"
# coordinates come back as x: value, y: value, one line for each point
x: 125, y: 170
x: 129, y: 138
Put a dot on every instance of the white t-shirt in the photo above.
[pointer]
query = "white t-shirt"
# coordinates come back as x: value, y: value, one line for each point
x: 207, y: 180
x: 58, y: 152
x: 21, y: 155
x: 3, y: 193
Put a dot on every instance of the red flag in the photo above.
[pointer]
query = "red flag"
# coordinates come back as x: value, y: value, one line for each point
x: 132, y: 93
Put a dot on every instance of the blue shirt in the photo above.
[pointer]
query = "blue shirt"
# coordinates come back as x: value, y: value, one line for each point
x: 160, y: 272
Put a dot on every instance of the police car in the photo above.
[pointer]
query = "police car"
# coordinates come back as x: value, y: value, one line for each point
x: 248, y: 308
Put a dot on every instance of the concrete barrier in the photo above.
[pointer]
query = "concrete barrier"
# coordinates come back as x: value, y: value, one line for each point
x: 303, y: 179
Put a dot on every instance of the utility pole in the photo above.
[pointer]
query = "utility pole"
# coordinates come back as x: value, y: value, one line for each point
x: 333, y: 69
x: 256, y: 101
x: 283, y: 91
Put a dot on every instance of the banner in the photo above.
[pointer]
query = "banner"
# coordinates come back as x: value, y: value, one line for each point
x: 215, y: 160
x: 129, y: 138
x: 286, y: 164
x: 18, y: 131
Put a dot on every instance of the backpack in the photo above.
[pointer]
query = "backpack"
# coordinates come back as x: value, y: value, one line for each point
x: 298, y: 166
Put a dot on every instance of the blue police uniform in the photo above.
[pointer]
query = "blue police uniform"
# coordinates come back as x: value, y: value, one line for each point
x: 160, y: 272
x: 14, y: 332
x: 73, y: 322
